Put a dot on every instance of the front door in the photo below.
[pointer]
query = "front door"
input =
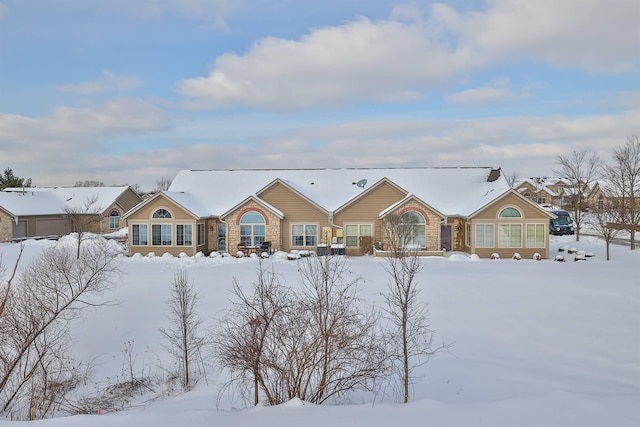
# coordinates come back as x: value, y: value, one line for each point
x: 445, y: 237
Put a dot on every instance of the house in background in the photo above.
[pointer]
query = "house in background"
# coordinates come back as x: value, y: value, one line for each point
x: 42, y: 212
x: 561, y: 192
x: 448, y: 209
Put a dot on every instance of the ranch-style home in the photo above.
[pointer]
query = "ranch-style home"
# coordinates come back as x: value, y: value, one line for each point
x: 449, y: 209
x: 45, y: 212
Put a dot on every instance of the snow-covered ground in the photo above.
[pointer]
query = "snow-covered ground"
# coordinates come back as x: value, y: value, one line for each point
x: 535, y: 343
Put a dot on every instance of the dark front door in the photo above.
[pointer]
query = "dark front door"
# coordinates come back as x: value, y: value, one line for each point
x: 445, y: 237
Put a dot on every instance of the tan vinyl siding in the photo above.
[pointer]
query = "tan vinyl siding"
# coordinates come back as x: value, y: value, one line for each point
x: 367, y: 209
x: 178, y: 216
x: 128, y: 200
x: 296, y: 210
x: 530, y: 215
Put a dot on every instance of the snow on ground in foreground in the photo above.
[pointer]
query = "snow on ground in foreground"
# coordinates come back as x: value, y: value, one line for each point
x: 536, y: 343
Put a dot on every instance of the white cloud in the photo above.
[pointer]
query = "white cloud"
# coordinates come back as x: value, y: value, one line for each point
x: 212, y: 12
x: 69, y: 132
x: 388, y: 61
x: 402, y: 58
x: 599, y: 36
x: 496, y: 92
x: 107, y: 83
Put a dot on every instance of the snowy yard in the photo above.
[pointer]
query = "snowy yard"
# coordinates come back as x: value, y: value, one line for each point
x: 535, y: 343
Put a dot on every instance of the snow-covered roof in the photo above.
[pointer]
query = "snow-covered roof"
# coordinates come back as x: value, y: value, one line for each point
x: 54, y: 201
x: 452, y: 191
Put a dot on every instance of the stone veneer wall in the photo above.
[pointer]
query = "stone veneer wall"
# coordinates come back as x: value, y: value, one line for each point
x: 272, y: 226
x: 6, y: 227
x: 432, y: 226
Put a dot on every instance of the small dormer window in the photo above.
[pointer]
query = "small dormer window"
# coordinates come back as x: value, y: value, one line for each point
x: 510, y: 213
x: 162, y: 214
x: 114, y: 219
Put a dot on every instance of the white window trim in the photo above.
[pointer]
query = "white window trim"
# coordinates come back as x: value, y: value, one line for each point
x: 183, y: 235
x: 545, y: 228
x: 493, y: 234
x: 201, y: 234
x: 162, y: 224
x: 510, y: 224
x: 139, y: 224
x: 359, y: 225
x: 304, y: 234
x: 502, y: 218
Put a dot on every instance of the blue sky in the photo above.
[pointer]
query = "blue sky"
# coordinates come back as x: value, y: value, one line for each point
x: 128, y: 92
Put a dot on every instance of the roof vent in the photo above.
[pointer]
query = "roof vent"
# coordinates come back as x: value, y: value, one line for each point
x: 361, y: 183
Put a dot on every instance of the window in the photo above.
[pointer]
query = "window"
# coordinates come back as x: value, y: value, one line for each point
x: 222, y: 237
x: 161, y: 234
x: 484, y: 236
x: 184, y: 235
x: 140, y: 236
x: 162, y: 214
x: 114, y: 219
x: 542, y: 200
x: 304, y: 235
x: 201, y: 234
x: 412, y: 230
x: 510, y: 213
x: 252, y: 229
x: 510, y: 235
x: 354, y: 231
x: 468, y: 234
x: 536, y: 235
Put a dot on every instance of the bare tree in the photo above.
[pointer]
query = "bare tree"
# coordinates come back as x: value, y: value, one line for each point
x: 581, y: 169
x: 512, y: 179
x: 410, y: 336
x: 248, y: 328
x: 349, y: 351
x: 604, y: 219
x: 316, y: 344
x: 623, y: 184
x: 89, y: 183
x: 36, y: 368
x: 163, y: 184
x: 84, y: 218
x: 181, y: 338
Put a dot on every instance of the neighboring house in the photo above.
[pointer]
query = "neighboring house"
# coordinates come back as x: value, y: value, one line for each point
x: 450, y: 209
x: 560, y: 192
x: 42, y: 212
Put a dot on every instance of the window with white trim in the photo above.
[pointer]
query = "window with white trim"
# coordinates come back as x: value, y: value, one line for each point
x: 304, y: 235
x: 468, y: 234
x: 353, y: 232
x: 510, y: 235
x: 252, y: 229
x: 484, y: 236
x: 536, y: 235
x: 161, y: 234
x: 184, y: 235
x: 114, y: 219
x: 510, y: 213
x: 201, y: 233
x: 412, y: 230
x: 162, y: 214
x: 139, y: 235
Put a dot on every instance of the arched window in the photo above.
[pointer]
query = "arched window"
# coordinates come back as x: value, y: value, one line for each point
x: 252, y: 229
x: 114, y: 219
x: 510, y: 213
x: 412, y: 230
x: 162, y: 214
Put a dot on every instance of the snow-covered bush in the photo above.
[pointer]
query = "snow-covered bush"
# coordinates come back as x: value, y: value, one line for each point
x: 516, y: 256
x: 495, y: 255
x: 537, y: 256
x: 559, y: 258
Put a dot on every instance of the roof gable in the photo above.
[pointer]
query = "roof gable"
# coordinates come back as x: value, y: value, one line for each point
x: 521, y: 199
